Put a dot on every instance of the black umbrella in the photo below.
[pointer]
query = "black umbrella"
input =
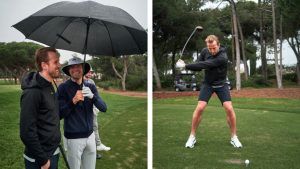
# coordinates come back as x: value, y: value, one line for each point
x: 86, y: 27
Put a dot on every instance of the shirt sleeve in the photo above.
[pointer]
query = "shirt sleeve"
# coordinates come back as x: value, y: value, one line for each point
x: 30, y: 105
x: 97, y: 100
x: 220, y: 59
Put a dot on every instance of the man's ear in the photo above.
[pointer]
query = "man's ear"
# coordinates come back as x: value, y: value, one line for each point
x: 44, y: 66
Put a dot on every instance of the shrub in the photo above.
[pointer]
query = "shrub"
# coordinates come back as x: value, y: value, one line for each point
x: 256, y: 82
x: 104, y: 84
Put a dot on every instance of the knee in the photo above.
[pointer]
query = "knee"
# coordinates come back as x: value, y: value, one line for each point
x: 228, y: 108
x: 199, y: 109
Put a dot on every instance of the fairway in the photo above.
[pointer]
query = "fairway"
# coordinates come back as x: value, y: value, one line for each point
x: 269, y: 130
x: 123, y: 128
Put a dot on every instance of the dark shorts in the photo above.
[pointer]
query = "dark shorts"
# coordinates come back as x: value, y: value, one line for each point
x: 222, y: 92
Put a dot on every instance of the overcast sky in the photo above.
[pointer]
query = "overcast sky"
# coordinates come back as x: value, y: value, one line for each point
x: 13, y: 11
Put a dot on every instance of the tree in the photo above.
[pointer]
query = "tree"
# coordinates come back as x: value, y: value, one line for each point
x: 291, y: 28
x: 173, y: 22
x: 129, y: 72
x: 17, y: 58
x: 125, y: 65
x: 278, y: 77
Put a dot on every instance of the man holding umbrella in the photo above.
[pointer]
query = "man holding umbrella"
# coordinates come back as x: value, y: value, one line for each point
x: 76, y: 107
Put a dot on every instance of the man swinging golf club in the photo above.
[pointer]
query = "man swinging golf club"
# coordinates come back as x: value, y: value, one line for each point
x: 214, y: 60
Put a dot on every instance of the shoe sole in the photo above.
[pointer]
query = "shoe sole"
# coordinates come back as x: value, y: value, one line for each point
x: 192, y: 145
x: 232, y: 143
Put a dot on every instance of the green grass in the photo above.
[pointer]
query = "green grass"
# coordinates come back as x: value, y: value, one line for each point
x: 269, y: 130
x: 123, y: 127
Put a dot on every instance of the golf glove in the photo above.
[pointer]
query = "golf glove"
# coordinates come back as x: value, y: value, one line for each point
x: 86, y: 91
x: 180, y: 64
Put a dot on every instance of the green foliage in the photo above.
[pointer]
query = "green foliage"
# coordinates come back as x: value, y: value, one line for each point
x: 136, y: 78
x: 290, y: 77
x: 136, y: 82
x: 256, y: 82
x: 167, y: 81
x: 17, y: 58
x: 104, y: 84
x: 267, y: 128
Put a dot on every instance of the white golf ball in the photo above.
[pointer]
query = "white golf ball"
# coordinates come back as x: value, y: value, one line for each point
x: 247, y: 162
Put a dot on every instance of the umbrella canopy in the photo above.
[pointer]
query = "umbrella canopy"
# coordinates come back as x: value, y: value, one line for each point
x: 86, y: 27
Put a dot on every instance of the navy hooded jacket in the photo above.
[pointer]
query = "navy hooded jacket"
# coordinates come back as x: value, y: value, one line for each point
x: 78, y: 118
x: 215, y: 66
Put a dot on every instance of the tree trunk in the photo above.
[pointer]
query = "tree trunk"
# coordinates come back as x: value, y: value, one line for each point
x: 156, y: 75
x: 125, y: 68
x: 279, y: 82
x: 262, y: 45
x: 252, y: 66
x: 243, y: 49
x: 281, y: 40
x: 173, y: 64
x: 237, y: 46
x: 295, y: 45
x: 298, y: 73
x: 232, y: 48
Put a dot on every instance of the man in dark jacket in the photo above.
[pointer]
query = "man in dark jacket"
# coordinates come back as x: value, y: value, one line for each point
x: 39, y: 119
x: 214, y: 60
x: 76, y: 107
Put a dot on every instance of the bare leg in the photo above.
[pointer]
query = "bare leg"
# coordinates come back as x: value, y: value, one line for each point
x: 231, y: 119
x: 197, y: 116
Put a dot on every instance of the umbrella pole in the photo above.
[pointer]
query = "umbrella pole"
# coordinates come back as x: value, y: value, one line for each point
x: 85, y: 48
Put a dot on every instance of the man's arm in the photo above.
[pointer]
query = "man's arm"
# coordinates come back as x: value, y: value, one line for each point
x: 207, y: 64
x: 98, y: 102
x: 28, y: 125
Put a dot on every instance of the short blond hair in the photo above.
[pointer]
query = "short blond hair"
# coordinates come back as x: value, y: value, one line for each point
x: 212, y: 38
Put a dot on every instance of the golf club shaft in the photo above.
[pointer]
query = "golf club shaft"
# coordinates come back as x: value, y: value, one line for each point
x: 187, y: 43
x: 64, y: 156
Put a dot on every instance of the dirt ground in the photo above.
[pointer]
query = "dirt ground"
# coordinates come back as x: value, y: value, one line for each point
x: 126, y: 93
x: 292, y: 93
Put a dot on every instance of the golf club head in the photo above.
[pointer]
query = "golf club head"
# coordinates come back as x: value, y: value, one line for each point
x: 199, y: 28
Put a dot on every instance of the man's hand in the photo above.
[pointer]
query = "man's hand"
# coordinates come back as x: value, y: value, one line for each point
x: 78, y: 97
x: 86, y: 91
x: 180, y: 64
x: 46, y: 166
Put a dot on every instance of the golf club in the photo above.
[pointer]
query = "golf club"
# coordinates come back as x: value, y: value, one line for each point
x: 64, y: 156
x: 200, y: 28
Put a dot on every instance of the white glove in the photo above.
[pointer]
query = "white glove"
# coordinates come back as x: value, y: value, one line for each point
x: 86, y: 91
x: 180, y: 64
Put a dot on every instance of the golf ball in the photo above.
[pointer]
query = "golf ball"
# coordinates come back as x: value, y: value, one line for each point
x: 247, y: 162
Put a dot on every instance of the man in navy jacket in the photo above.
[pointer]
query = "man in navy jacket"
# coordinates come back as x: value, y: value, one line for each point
x: 213, y: 60
x: 76, y: 107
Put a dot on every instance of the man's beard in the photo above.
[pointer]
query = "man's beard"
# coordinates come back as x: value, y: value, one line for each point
x: 54, y: 74
x: 213, y: 51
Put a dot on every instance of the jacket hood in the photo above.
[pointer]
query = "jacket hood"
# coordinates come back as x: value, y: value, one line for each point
x: 34, y: 80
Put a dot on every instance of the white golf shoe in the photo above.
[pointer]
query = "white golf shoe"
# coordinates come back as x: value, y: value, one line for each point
x: 102, y: 147
x: 235, y: 142
x: 190, y: 142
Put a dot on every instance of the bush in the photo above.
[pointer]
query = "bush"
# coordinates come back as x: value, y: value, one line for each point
x: 104, y: 84
x: 290, y: 77
x: 256, y: 82
x: 136, y: 82
x: 167, y: 81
